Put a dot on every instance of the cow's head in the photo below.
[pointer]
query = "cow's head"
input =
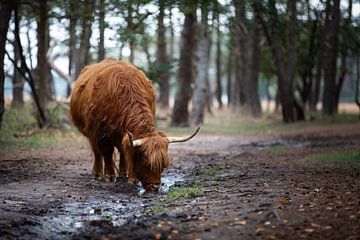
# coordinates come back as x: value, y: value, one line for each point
x: 150, y: 157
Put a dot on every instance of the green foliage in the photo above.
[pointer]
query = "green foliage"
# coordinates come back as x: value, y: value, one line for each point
x: 184, y: 192
x: 16, y: 120
x: 58, y: 116
x: 351, y: 158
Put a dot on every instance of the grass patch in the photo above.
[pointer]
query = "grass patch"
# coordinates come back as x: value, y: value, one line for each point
x: 184, y: 192
x: 213, y: 171
x: 19, y: 128
x: 277, y: 149
x: 158, y: 208
x: 351, y: 158
x: 226, y: 121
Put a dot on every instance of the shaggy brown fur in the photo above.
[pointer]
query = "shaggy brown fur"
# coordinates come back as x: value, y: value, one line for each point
x: 110, y: 98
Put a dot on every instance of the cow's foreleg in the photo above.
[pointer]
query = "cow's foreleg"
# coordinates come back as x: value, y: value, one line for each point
x: 122, y: 163
x: 123, y: 171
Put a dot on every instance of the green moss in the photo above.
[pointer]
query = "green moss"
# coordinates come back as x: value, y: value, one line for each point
x: 184, y: 192
x: 351, y: 158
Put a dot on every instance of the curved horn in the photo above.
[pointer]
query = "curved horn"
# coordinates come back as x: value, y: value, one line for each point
x: 183, y: 139
x: 134, y: 143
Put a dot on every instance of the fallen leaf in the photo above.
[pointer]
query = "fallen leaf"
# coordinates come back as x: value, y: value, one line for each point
x: 309, y: 230
x: 315, y: 225
x: 215, y: 225
x: 260, y: 230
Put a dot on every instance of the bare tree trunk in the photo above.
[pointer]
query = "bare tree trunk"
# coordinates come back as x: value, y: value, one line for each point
x: 229, y: 77
x: 161, y: 59
x: 344, y: 57
x: 72, y: 44
x: 41, y: 68
x: 84, y: 52
x: 242, y: 75
x: 5, y: 13
x: 17, y: 81
x: 218, y: 64
x: 285, y: 87
x: 254, y: 99
x: 49, y: 83
x: 26, y: 73
x: 308, y: 82
x: 357, y: 83
x: 101, y: 53
x: 199, y: 100
x: 315, y: 86
x: 185, y: 75
x: 331, y: 53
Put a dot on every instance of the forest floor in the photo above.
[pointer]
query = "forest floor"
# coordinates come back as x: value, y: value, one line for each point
x: 286, y: 185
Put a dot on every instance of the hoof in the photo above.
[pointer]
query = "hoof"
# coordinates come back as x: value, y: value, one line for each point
x: 110, y: 178
x: 122, y: 177
x: 97, y: 175
x: 133, y: 180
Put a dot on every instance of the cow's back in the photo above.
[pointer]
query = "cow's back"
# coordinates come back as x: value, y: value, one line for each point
x: 105, y: 94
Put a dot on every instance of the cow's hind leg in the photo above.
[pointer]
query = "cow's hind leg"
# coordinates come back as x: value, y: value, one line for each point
x: 98, y: 166
x: 110, y: 167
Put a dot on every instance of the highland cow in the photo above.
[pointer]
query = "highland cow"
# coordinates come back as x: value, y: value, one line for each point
x: 113, y: 105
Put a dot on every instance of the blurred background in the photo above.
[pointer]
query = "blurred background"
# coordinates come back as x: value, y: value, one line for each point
x: 235, y: 64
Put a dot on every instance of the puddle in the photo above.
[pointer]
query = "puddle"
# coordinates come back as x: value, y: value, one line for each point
x: 114, y: 210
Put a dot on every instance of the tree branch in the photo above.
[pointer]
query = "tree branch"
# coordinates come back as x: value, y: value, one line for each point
x: 65, y: 76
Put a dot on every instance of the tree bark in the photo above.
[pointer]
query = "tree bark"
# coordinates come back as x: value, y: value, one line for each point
x: 101, y: 52
x: 41, y: 67
x: 17, y: 81
x: 315, y: 86
x: 242, y: 76
x: 285, y: 87
x: 229, y: 74
x: 254, y: 99
x: 5, y: 13
x: 344, y: 58
x: 331, y: 54
x: 199, y: 101
x: 84, y: 52
x: 357, y: 82
x: 218, y: 64
x: 185, y: 77
x: 73, y: 19
x: 161, y: 59
x: 26, y: 73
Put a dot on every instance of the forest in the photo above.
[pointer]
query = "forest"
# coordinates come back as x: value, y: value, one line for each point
x: 274, y: 86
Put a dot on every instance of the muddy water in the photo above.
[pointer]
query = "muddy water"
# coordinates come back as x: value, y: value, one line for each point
x: 98, y: 210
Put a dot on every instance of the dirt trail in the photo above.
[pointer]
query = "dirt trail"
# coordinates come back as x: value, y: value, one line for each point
x: 254, y: 186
